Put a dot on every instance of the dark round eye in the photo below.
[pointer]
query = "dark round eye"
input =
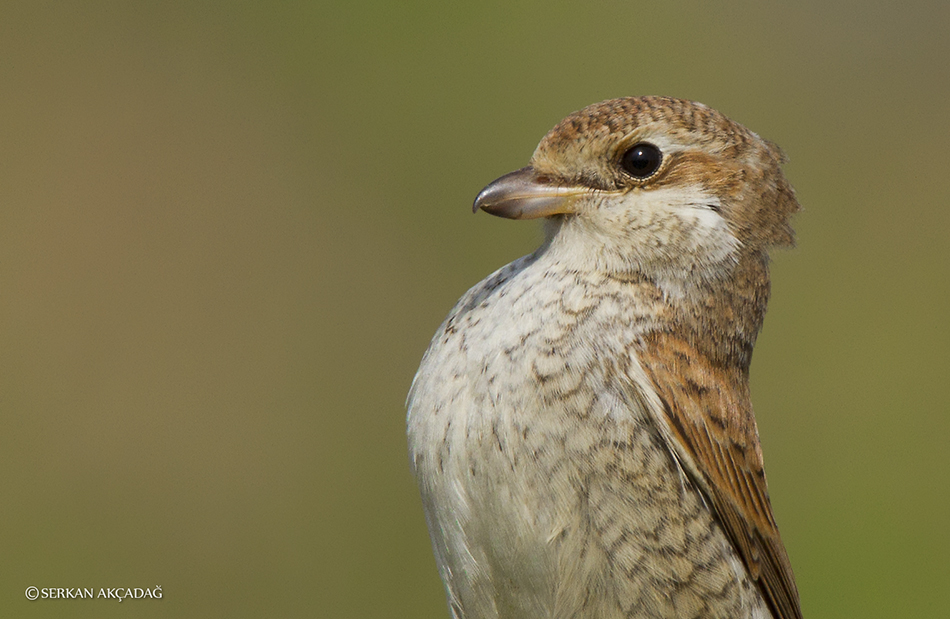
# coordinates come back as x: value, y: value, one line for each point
x: 642, y: 160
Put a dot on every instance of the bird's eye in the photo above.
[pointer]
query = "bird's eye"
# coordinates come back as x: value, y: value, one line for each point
x: 642, y: 160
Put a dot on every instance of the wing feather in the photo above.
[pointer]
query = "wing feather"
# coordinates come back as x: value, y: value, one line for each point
x: 707, y: 417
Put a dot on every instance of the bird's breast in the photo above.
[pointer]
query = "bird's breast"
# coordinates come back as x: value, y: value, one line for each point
x: 523, y: 382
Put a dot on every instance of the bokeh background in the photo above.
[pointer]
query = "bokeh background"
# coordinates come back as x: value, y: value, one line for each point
x: 228, y: 230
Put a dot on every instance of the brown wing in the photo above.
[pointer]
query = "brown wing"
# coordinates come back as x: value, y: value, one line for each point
x: 708, y: 415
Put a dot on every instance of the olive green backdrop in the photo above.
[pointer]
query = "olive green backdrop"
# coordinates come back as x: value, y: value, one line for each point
x: 228, y: 230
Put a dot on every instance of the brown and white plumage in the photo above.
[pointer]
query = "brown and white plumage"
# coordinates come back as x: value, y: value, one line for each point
x: 580, y: 426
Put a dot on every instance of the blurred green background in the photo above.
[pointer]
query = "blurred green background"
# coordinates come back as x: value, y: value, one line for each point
x: 228, y: 231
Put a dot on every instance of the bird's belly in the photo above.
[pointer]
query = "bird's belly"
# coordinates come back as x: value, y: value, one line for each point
x: 494, y: 496
x: 504, y: 453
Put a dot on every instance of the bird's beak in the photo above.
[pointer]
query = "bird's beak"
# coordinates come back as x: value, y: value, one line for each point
x: 525, y: 194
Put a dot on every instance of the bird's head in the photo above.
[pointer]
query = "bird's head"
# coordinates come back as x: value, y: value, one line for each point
x: 665, y: 187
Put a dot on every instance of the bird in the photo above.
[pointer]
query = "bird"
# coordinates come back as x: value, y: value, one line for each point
x: 580, y: 427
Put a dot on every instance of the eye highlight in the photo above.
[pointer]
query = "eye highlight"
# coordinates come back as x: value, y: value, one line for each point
x: 641, y: 160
